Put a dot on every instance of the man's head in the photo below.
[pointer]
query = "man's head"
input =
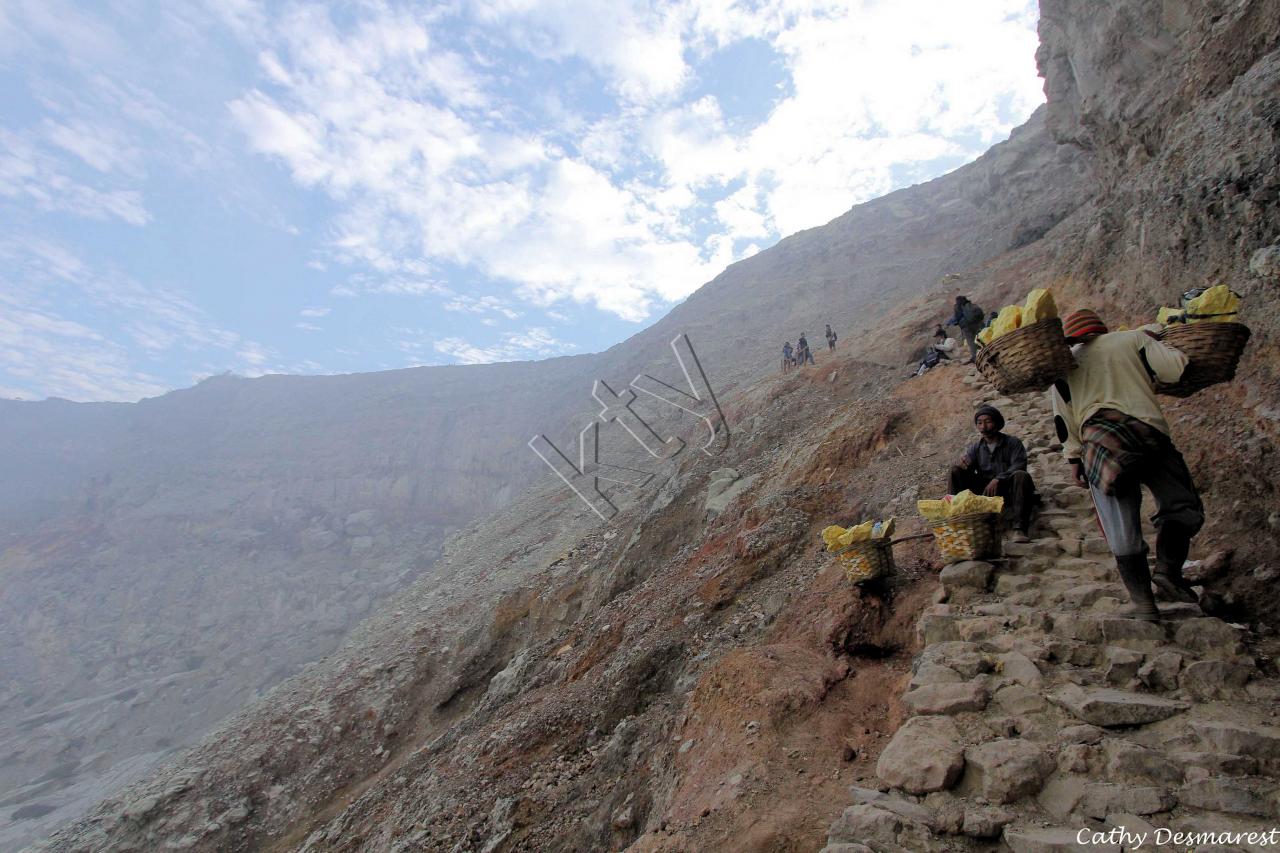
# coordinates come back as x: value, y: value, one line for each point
x: 962, y: 300
x: 1083, y: 325
x: 940, y: 335
x: 988, y: 420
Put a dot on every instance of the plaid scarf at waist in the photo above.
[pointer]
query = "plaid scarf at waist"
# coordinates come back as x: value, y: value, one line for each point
x: 1114, y: 443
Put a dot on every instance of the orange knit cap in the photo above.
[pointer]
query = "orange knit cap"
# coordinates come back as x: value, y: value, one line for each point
x: 1083, y: 323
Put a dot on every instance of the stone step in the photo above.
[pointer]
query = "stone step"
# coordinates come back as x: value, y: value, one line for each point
x: 1053, y: 840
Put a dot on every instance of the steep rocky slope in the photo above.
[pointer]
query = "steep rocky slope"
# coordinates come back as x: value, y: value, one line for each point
x: 537, y: 690
x: 1042, y: 719
x: 273, y: 514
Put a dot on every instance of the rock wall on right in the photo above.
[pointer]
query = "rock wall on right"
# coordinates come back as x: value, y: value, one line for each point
x: 1177, y: 105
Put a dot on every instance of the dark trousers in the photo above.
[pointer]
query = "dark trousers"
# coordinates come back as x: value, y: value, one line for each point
x: 1017, y: 489
x: 1179, y: 513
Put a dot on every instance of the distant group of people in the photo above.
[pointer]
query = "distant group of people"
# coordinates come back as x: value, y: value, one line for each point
x: 800, y: 354
x: 1116, y: 440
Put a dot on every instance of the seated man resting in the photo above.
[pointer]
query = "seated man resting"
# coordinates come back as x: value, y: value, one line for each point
x: 996, y: 464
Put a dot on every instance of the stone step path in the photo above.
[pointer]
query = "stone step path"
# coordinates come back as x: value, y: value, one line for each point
x: 1044, y: 720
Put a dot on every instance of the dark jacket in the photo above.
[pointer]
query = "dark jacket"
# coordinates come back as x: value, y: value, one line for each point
x: 1009, y: 456
x: 967, y: 316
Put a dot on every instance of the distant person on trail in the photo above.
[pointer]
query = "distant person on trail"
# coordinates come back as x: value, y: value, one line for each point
x: 831, y: 338
x: 942, y: 349
x: 803, y: 354
x: 787, y: 359
x: 996, y: 464
x: 1116, y: 439
x: 970, y: 319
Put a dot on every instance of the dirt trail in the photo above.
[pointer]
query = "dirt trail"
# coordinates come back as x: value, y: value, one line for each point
x: 1036, y: 711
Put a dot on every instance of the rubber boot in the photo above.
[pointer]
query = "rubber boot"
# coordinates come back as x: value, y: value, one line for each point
x: 1137, y: 580
x: 1173, y: 543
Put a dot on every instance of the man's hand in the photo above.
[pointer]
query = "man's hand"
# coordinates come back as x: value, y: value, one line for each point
x: 992, y: 487
x: 1077, y: 474
x: 965, y: 462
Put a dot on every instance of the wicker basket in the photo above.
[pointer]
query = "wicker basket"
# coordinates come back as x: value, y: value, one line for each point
x: 1028, y: 359
x: 973, y: 536
x: 1213, y: 350
x: 866, y: 560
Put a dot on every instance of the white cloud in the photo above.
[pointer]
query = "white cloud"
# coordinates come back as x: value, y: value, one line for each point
x: 639, y: 47
x: 68, y: 329
x: 481, y: 305
x: 315, y: 312
x: 531, y: 343
x: 435, y: 155
x: 30, y: 174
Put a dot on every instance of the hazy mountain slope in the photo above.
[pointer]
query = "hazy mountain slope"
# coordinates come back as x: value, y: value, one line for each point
x: 189, y: 551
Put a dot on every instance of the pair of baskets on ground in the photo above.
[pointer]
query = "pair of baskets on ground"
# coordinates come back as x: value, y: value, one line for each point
x: 973, y: 536
x: 1034, y: 357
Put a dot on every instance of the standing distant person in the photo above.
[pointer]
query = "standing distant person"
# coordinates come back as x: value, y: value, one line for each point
x: 831, y: 338
x: 787, y: 359
x: 970, y: 318
x: 803, y: 353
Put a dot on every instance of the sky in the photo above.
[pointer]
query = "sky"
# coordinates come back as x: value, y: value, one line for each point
x: 191, y: 188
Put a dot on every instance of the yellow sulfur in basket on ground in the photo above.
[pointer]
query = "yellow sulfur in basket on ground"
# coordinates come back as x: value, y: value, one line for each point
x: 967, y: 502
x: 864, y: 550
x: 964, y: 526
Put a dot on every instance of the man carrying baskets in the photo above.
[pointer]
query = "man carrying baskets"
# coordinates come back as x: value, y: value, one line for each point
x: 1116, y: 439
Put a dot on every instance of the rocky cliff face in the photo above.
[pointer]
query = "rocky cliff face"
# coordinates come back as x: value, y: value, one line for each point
x: 555, y: 684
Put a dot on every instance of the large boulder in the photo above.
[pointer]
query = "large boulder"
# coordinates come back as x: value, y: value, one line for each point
x: 1103, y: 707
x: 946, y: 698
x: 924, y: 755
x: 1237, y: 739
x: 1008, y: 769
x: 881, y: 829
x: 1210, y: 637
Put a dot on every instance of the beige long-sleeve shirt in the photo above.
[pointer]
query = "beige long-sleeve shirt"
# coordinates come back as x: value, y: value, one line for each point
x: 1117, y: 371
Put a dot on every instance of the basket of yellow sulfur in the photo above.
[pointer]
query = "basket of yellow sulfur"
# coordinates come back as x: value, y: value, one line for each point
x: 1030, y: 358
x: 972, y: 536
x: 866, y: 560
x: 1213, y: 352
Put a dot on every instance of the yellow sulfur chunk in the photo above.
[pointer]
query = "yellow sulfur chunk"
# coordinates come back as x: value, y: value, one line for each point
x: 858, y: 533
x: 961, y: 504
x: 967, y: 502
x: 831, y: 534
x: 1216, y: 305
x: 984, y: 337
x: 836, y: 537
x: 932, y: 510
x: 1039, y: 306
x: 1165, y: 316
x: 1010, y: 318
